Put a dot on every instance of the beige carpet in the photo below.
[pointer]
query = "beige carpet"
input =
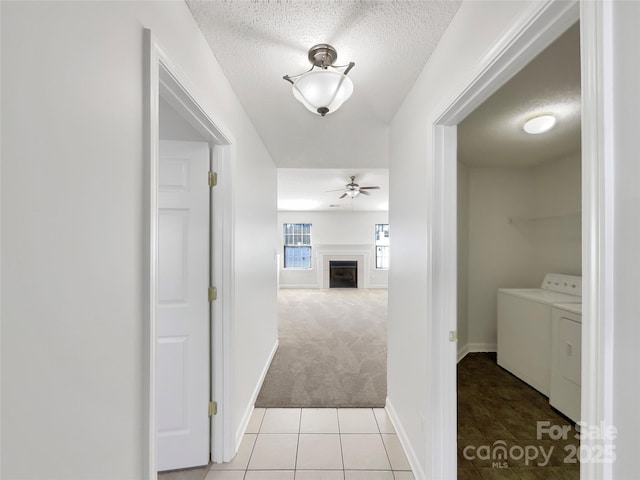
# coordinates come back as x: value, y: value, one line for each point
x: 332, y: 352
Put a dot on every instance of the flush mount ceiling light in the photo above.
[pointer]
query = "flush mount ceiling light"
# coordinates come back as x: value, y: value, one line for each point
x: 324, y: 89
x: 539, y: 124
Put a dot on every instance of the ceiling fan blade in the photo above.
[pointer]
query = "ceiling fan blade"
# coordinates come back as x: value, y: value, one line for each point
x: 369, y: 188
x: 364, y: 193
x: 343, y: 195
x: 336, y: 190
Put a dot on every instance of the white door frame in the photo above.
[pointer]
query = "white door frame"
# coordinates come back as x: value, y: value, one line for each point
x: 542, y: 23
x: 164, y: 79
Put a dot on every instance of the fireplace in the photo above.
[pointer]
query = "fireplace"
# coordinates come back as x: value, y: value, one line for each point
x: 343, y: 274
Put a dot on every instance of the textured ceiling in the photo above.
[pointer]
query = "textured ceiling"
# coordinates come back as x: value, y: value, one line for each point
x: 305, y: 189
x: 492, y: 134
x: 257, y: 42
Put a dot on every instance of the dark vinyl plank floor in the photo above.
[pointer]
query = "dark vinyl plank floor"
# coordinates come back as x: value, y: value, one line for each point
x: 508, y: 430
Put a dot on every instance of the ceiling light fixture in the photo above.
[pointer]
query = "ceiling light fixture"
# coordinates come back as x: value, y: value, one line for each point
x: 325, y: 89
x: 539, y: 124
x: 353, y: 192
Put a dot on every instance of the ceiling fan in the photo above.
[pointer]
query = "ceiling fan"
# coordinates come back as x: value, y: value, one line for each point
x: 352, y: 189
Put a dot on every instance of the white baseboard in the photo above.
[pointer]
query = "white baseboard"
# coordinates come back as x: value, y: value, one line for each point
x: 246, y: 417
x: 475, y: 348
x: 462, y: 351
x: 316, y: 286
x: 297, y: 285
x: 418, y: 472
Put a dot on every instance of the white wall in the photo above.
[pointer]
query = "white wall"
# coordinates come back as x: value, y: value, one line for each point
x: 463, y: 256
x: 556, y: 205
x: 499, y: 252
x: 172, y: 126
x: 626, y: 277
x: 73, y: 276
x: 335, y: 232
x: 523, y: 223
x: 476, y: 27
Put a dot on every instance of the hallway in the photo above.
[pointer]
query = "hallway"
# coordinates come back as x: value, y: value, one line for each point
x: 317, y: 444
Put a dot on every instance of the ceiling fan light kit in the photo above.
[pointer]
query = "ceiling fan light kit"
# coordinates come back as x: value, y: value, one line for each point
x: 324, y: 89
x: 352, y: 189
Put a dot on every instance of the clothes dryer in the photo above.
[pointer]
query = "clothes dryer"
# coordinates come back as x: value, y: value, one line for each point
x: 524, y: 327
x: 566, y: 358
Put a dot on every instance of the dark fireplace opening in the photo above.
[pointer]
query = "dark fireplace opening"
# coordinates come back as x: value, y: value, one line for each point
x: 343, y: 274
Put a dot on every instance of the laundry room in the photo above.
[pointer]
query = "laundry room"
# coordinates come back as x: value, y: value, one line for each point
x: 519, y: 194
x: 519, y: 236
x: 519, y: 251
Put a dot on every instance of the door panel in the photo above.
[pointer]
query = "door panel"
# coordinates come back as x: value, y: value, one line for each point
x: 172, y: 401
x: 182, y: 364
x: 173, y: 229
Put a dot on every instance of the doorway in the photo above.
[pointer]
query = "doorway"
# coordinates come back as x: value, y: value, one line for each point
x: 519, y: 206
x: 171, y: 103
x: 529, y: 37
x: 332, y: 296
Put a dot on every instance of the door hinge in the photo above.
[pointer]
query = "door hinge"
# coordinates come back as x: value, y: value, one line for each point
x: 213, y: 408
x: 213, y: 294
x: 453, y: 336
x: 213, y: 179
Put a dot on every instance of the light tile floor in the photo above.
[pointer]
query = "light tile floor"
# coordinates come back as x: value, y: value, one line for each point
x: 317, y: 444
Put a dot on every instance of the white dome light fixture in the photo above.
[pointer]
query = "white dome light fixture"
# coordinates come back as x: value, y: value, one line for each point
x: 539, y: 124
x: 326, y: 88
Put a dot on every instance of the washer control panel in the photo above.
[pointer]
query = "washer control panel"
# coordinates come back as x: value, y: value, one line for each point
x: 558, y: 282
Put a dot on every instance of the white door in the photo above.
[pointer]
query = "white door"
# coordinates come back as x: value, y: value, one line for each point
x: 182, y: 364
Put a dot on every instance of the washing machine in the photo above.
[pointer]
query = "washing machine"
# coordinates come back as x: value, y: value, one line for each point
x: 524, y: 327
x: 566, y: 358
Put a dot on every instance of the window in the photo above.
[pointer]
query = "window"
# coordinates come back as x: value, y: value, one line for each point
x: 297, y: 245
x: 382, y: 245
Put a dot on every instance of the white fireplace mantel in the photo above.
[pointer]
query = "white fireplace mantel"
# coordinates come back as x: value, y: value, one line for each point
x: 358, y: 253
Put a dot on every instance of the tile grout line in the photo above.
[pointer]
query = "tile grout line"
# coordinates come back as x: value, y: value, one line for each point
x: 384, y: 445
x: 295, y: 463
x: 344, y: 473
x: 264, y: 414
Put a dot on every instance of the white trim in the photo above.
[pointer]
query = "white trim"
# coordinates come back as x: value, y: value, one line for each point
x: 482, y: 347
x: 463, y: 351
x: 410, y: 453
x: 1, y: 263
x: 476, y: 348
x: 293, y: 286
x: 596, y: 33
x: 222, y: 446
x: 164, y: 78
x: 300, y: 286
x: 149, y: 314
x: 534, y: 30
x: 443, y: 305
x: 246, y: 416
x: 362, y: 253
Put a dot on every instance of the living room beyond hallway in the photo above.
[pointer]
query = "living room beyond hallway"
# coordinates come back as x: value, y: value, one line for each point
x: 332, y: 351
